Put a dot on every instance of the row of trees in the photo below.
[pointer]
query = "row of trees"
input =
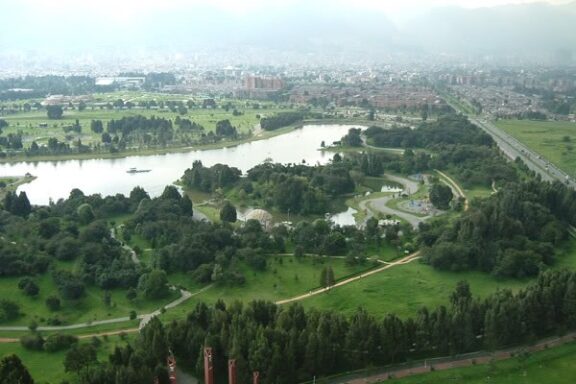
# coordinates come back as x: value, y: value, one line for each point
x: 290, y: 344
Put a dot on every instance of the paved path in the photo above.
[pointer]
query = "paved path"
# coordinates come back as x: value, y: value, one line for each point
x: 379, y: 204
x: 405, y: 260
x: 144, y: 318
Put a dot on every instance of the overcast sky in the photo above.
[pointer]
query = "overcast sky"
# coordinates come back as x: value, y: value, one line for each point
x: 123, y: 11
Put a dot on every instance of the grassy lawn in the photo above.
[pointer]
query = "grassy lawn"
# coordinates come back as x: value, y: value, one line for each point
x: 555, y: 365
x: 284, y: 277
x: 546, y: 138
x: 89, y: 308
x: 405, y: 289
x: 48, y: 368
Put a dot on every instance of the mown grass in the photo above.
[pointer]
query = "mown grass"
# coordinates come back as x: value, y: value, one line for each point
x: 555, y: 365
x: 284, y: 277
x: 405, y: 289
x: 547, y: 138
x: 48, y: 368
x: 87, y: 309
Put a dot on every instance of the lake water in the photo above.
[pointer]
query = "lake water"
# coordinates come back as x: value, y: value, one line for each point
x: 55, y: 179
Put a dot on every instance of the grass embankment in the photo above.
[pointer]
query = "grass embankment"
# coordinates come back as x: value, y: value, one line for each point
x: 555, y: 365
x: 554, y: 140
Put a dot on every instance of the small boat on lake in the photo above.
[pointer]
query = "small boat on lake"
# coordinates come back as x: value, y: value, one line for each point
x: 136, y: 170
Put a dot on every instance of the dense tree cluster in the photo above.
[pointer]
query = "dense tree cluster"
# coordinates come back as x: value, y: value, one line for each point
x: 67, y: 230
x: 142, y: 130
x: 296, y: 188
x: 459, y: 147
x: 210, y: 179
x: 280, y: 120
x: 289, y: 344
x: 513, y: 233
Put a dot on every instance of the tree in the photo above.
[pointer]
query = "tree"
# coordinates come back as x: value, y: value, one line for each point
x: 12, y: 371
x: 154, y: 285
x: 327, y: 277
x: 440, y: 195
x: 29, y: 287
x: 53, y: 303
x: 54, y: 112
x: 78, y: 357
x: 9, y: 310
x: 228, y: 213
x: 81, y: 106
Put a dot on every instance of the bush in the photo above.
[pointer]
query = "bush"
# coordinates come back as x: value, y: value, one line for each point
x: 33, y: 342
x: 59, y: 342
x: 53, y: 303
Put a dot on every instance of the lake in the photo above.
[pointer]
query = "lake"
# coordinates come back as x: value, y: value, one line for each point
x: 55, y: 179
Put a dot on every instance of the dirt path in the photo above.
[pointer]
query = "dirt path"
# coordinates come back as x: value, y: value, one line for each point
x: 405, y: 260
x: 452, y: 184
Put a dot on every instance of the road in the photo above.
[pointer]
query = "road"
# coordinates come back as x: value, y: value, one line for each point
x: 513, y: 148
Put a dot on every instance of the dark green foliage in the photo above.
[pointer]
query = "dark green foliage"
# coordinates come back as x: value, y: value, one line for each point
x: 12, y: 371
x: 28, y: 286
x: 17, y: 204
x: 280, y: 120
x: 225, y: 129
x: 141, y: 130
x: 353, y: 138
x: 154, y: 285
x: 32, y: 342
x: 327, y: 277
x: 9, y: 310
x: 228, y: 213
x: 511, y: 234
x: 54, y: 111
x: 440, y: 195
x: 59, y: 342
x: 79, y: 357
x: 209, y: 179
x: 70, y: 287
x: 53, y: 303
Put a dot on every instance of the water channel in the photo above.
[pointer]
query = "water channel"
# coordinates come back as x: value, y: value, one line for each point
x: 55, y: 179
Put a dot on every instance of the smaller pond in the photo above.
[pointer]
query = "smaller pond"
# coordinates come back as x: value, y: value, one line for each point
x: 345, y: 218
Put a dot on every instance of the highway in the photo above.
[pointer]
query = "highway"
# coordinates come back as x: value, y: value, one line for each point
x: 513, y: 148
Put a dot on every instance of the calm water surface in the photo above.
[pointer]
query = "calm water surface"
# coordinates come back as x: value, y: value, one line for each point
x: 55, y: 179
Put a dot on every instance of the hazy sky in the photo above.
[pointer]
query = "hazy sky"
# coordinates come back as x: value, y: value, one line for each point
x: 123, y: 11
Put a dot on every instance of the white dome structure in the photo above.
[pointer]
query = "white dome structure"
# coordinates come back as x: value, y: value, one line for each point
x: 264, y: 217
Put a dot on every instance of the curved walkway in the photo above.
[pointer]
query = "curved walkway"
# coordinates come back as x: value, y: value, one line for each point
x: 144, y: 318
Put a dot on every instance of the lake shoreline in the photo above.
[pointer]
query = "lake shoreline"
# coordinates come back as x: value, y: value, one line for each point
x: 263, y: 135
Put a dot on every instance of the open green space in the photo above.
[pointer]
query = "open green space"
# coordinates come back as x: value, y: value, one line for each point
x: 405, y: 289
x: 284, y: 277
x: 555, y: 365
x: 87, y: 309
x: 48, y: 368
x: 553, y: 140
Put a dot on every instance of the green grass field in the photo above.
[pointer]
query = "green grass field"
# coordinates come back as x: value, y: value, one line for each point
x: 555, y: 365
x: 48, y: 368
x: 284, y: 277
x: 548, y: 138
x: 87, y: 309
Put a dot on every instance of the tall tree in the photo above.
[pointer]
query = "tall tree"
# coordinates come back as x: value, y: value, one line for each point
x: 12, y: 371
